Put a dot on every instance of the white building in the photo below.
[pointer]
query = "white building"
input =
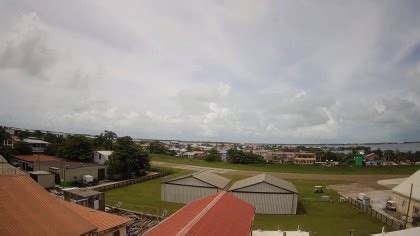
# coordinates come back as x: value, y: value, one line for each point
x: 269, y: 195
x: 401, y: 194
x: 101, y: 157
x: 36, y: 144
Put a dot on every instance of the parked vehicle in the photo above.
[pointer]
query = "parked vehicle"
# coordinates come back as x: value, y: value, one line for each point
x: 391, y: 205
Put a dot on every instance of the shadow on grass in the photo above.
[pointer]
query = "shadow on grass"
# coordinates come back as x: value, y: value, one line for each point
x: 300, y: 209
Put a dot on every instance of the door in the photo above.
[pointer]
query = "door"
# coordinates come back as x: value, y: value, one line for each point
x: 101, y: 174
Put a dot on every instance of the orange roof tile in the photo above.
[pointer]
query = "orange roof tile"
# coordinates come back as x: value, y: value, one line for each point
x: 218, y: 214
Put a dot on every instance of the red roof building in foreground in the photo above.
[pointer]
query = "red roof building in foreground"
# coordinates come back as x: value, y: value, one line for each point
x: 218, y: 214
x: 28, y: 209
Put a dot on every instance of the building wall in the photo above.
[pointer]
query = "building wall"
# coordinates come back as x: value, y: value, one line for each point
x: 184, y: 194
x: 270, y: 203
x: 46, y: 181
x: 77, y: 173
x: 99, y: 158
x: 402, y: 204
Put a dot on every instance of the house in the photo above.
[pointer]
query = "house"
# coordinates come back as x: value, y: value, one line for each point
x: 85, y: 197
x: 31, y: 210
x: 401, y: 194
x: 101, y: 157
x: 306, y: 158
x: 269, y: 194
x: 194, y: 154
x: 38, y: 146
x: 223, y: 155
x: 372, y: 157
x: 283, y: 157
x: 219, y: 214
x: 64, y: 170
x: 44, y: 178
x: 187, y: 188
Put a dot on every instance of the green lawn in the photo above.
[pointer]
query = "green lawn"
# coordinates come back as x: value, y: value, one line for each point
x: 144, y: 197
x: 310, y: 169
x: 325, y: 218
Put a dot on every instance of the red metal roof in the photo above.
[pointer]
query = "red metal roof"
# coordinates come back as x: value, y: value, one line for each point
x: 27, y: 209
x: 218, y: 214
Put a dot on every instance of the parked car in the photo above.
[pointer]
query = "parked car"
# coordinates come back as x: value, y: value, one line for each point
x: 390, y: 205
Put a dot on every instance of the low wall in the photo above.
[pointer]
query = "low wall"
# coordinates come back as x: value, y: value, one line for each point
x: 123, y: 183
x: 376, y: 214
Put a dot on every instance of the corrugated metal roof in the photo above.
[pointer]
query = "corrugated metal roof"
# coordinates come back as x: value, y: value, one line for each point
x: 30, y: 140
x: 27, y: 209
x: 207, y: 177
x: 404, y: 187
x: 218, y: 214
x: 281, y: 183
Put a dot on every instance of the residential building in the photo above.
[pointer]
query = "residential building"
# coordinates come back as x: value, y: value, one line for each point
x: 64, y: 170
x: 219, y: 214
x: 38, y: 146
x: 305, y: 158
x: 187, y: 188
x: 268, y: 194
x: 401, y: 196
x: 194, y: 154
x: 101, y: 157
x: 31, y: 210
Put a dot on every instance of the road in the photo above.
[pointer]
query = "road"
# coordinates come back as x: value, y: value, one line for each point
x: 368, y: 180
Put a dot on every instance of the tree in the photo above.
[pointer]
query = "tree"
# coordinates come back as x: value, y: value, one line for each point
x: 7, y: 152
x: 77, y: 148
x: 388, y: 155
x: 213, y: 155
x: 238, y: 156
x: 38, y: 134
x: 23, y: 134
x: 189, y: 148
x: 378, y: 152
x: 157, y: 147
x: 3, y: 135
x: 105, y: 140
x: 127, y: 159
x: 22, y: 148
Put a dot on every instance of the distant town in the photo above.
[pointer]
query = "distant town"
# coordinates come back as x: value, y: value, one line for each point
x: 138, y: 186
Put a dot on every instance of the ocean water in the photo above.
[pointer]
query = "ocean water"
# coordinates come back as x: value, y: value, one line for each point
x: 402, y: 147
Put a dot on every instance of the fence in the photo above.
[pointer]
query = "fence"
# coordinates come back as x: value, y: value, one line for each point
x: 395, y: 224
x: 123, y: 183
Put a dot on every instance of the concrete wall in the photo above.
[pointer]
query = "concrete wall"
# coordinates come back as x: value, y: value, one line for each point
x: 77, y: 174
x: 184, y: 194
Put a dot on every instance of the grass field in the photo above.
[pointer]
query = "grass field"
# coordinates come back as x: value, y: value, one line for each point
x: 144, y: 197
x: 325, y: 218
x: 310, y: 169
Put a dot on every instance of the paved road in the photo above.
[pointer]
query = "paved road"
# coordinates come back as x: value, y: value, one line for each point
x: 369, y: 180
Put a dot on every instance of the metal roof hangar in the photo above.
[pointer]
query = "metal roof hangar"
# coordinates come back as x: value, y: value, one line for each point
x: 187, y: 188
x: 269, y: 195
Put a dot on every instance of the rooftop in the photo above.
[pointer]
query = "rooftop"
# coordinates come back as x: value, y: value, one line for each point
x: 27, y: 209
x: 83, y: 192
x: 404, y: 187
x: 266, y: 179
x: 105, y: 153
x: 31, y: 140
x: 53, y: 161
x: 207, y: 177
x: 218, y: 214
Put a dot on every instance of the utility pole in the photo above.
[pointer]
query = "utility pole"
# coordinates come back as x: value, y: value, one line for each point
x: 408, y: 208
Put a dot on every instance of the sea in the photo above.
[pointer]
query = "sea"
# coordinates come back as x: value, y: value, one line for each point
x: 402, y: 147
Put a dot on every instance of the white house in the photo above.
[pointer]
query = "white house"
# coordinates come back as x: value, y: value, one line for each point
x: 101, y: 157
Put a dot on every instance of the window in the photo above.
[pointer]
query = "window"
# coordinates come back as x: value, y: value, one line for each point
x: 116, y: 233
x: 100, y: 156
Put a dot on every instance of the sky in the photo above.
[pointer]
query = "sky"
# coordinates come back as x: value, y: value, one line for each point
x: 237, y: 71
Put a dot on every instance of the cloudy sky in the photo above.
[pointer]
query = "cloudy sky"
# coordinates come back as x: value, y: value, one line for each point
x: 245, y: 71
